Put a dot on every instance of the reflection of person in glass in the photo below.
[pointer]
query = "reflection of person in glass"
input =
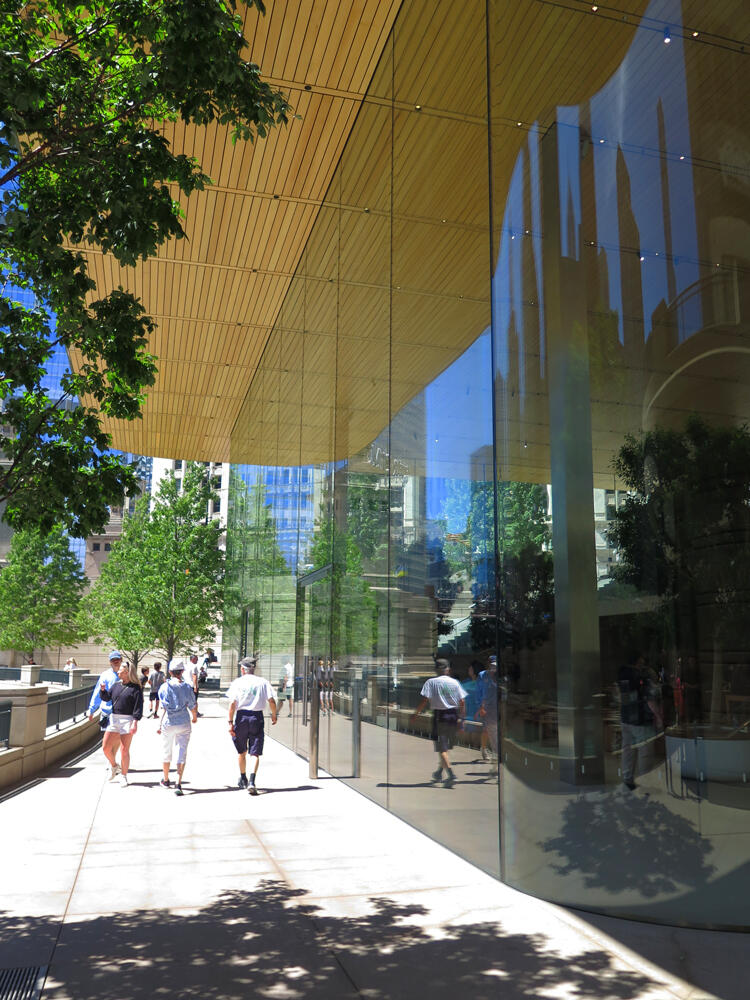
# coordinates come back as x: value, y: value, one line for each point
x: 488, y: 707
x: 640, y: 717
x: 447, y: 699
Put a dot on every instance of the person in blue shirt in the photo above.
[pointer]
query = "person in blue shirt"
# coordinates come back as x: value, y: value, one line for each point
x: 177, y: 699
x: 488, y: 696
x: 107, y: 679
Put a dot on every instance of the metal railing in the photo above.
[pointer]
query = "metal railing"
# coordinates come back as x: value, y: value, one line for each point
x: 53, y: 677
x: 10, y: 673
x: 67, y: 707
x: 5, y: 707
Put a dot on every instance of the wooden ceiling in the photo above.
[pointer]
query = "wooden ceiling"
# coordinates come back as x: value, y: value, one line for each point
x: 216, y: 295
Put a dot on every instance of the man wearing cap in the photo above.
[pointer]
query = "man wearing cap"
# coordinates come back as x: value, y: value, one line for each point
x: 178, y: 703
x: 107, y: 678
x: 248, y: 695
x: 447, y: 699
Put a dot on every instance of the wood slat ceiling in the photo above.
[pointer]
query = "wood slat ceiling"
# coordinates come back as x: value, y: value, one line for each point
x: 217, y: 294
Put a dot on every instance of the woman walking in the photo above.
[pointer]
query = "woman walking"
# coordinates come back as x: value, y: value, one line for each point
x: 178, y: 701
x: 126, y: 695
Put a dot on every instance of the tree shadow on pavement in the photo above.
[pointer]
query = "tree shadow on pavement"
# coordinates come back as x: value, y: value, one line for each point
x: 630, y: 843
x: 272, y: 943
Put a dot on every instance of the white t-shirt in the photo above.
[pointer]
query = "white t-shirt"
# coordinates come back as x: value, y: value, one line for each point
x: 443, y: 692
x: 288, y: 675
x: 193, y: 670
x: 250, y: 692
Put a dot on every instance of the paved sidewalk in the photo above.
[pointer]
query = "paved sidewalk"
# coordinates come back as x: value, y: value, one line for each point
x: 306, y: 891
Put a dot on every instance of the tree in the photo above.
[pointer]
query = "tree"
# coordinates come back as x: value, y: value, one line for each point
x: 40, y: 592
x: 114, y: 607
x: 183, y: 585
x: 84, y: 89
x: 259, y: 581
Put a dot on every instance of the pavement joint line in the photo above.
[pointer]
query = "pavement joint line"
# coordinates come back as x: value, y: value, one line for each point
x: 73, y: 886
x: 331, y: 951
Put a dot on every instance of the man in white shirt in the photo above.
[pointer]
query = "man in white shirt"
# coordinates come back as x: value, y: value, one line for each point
x: 447, y: 699
x: 286, y: 685
x: 248, y: 695
x: 193, y: 671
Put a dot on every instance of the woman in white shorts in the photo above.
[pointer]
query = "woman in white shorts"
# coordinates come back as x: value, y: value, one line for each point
x: 126, y: 696
x: 178, y: 701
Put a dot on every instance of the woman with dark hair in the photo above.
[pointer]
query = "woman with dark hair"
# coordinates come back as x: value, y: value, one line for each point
x: 126, y: 695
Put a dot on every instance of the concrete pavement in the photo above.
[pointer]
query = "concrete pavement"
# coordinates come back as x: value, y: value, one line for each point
x: 307, y: 890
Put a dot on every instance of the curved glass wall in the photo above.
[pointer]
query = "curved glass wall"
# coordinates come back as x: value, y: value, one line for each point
x: 503, y: 412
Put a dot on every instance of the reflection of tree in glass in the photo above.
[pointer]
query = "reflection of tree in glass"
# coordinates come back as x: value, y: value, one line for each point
x: 629, y: 844
x: 348, y: 602
x: 258, y: 577
x: 525, y: 590
x: 683, y: 531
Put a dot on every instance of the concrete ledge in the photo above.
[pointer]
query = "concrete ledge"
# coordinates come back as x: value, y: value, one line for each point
x: 20, y: 763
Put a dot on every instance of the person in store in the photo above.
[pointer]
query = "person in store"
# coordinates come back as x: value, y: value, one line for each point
x: 286, y: 686
x: 447, y: 699
x: 177, y: 700
x: 126, y: 698
x: 248, y: 695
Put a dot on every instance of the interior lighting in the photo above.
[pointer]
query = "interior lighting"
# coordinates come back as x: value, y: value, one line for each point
x: 519, y: 124
x: 682, y: 156
x: 667, y: 35
x: 594, y: 7
x: 695, y: 34
x: 642, y: 257
x: 417, y: 107
x: 601, y: 141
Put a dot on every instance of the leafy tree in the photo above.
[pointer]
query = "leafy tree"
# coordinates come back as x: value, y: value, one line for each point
x: 259, y: 581
x: 683, y: 530
x: 114, y: 607
x: 183, y: 585
x: 40, y: 592
x: 84, y: 162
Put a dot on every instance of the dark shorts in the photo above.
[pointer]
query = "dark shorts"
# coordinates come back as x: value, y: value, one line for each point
x: 444, y: 728
x: 153, y: 696
x: 248, y: 732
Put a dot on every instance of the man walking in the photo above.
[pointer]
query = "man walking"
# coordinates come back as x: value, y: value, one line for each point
x: 107, y: 679
x: 194, y: 676
x: 446, y: 698
x: 286, y: 686
x: 156, y: 678
x: 248, y: 695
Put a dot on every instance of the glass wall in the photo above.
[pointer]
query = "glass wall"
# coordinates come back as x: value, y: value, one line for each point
x: 504, y: 406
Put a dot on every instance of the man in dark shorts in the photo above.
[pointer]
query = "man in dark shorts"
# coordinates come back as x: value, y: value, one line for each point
x: 156, y: 679
x: 248, y: 695
x: 447, y: 699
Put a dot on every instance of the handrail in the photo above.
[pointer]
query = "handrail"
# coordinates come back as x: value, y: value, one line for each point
x: 67, y: 706
x: 5, y: 710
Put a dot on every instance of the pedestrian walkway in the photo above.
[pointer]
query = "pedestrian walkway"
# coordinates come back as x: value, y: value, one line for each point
x: 308, y: 890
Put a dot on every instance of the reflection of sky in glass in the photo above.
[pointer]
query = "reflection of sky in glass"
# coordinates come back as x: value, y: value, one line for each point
x: 569, y: 172
x: 458, y: 422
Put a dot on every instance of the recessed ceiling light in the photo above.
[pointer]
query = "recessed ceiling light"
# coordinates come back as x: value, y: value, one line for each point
x: 695, y: 34
x: 417, y: 107
x: 519, y: 124
x: 667, y: 35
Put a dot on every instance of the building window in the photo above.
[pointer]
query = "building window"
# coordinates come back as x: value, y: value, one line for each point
x: 107, y: 546
x: 96, y: 546
x: 178, y: 464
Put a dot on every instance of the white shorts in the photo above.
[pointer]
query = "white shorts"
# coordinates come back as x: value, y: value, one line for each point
x: 172, y: 736
x: 120, y: 724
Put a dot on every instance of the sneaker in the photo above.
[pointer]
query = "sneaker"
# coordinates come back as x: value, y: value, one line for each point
x: 629, y: 784
x: 437, y: 775
x: 165, y: 783
x: 485, y: 755
x: 111, y: 774
x: 117, y: 769
x: 252, y: 789
x: 124, y: 780
x: 450, y: 780
x: 178, y: 790
x: 242, y: 783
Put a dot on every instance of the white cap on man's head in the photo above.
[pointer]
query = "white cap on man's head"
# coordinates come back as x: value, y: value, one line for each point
x: 176, y: 666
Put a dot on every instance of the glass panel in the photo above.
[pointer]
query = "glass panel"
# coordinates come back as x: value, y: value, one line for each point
x: 621, y: 216
x: 442, y: 529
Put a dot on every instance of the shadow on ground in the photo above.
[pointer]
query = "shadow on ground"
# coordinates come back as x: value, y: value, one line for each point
x: 271, y: 943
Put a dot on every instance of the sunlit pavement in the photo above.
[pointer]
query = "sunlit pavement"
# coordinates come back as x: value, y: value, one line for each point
x: 306, y: 890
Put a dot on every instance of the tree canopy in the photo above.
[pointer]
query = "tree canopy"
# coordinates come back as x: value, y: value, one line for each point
x: 85, y: 165
x: 40, y: 592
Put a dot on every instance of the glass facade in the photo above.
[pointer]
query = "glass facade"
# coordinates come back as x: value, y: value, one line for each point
x: 513, y: 366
